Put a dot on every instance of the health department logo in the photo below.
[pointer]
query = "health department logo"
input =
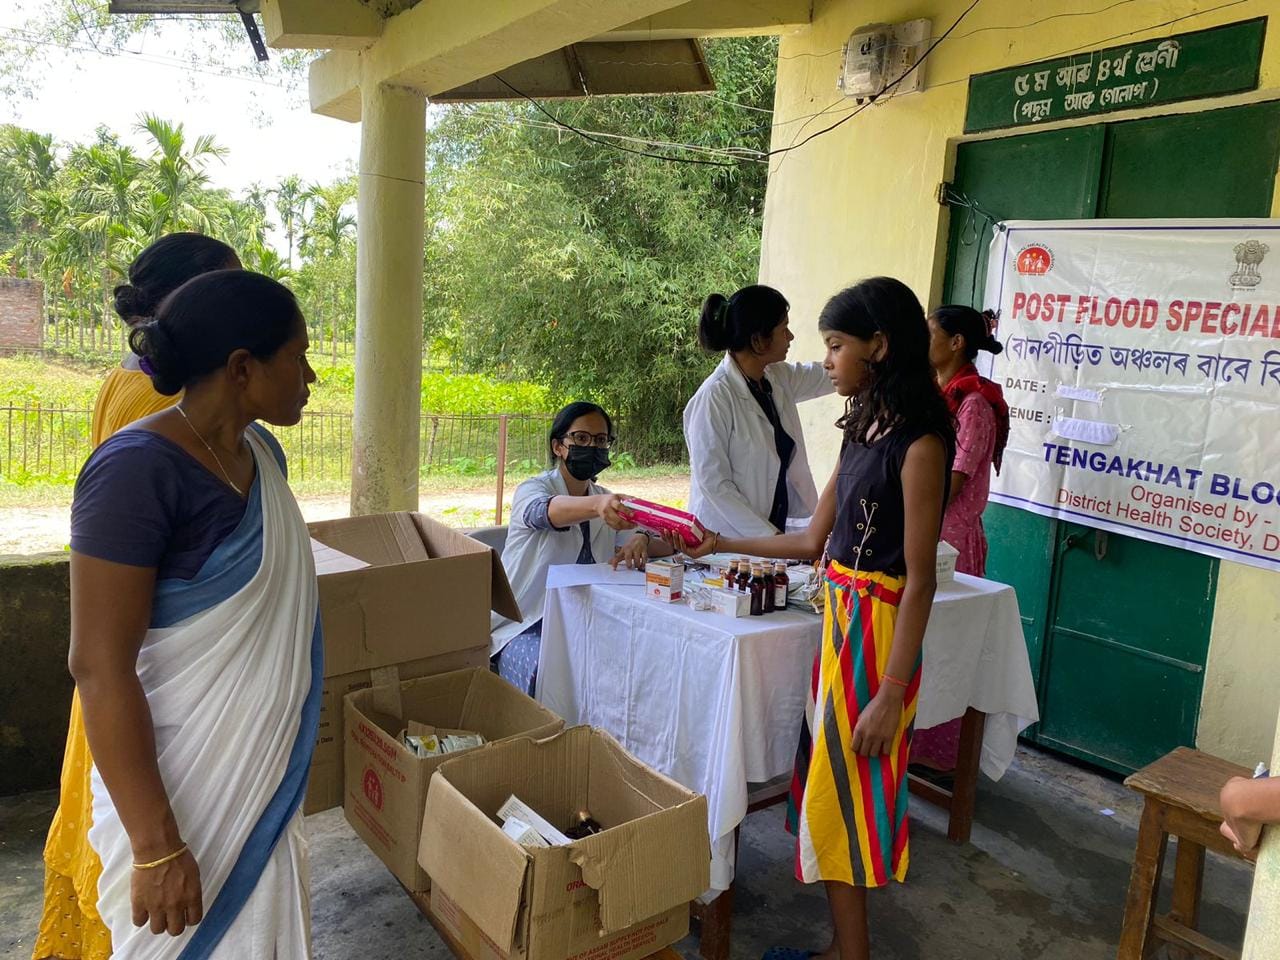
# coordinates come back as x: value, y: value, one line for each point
x: 1248, y: 258
x: 373, y: 788
x: 1034, y: 260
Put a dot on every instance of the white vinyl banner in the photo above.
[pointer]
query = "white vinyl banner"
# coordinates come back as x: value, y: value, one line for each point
x: 1141, y: 364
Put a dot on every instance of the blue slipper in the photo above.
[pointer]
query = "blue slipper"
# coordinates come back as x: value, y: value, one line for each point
x: 788, y: 953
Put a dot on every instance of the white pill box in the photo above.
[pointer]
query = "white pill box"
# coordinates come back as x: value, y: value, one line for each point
x: 730, y: 603
x: 664, y: 580
x: 946, y: 562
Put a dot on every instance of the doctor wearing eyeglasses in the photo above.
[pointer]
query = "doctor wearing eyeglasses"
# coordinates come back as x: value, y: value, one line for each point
x: 561, y: 516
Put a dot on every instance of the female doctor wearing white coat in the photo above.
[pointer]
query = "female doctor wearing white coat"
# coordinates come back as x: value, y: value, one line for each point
x: 750, y: 472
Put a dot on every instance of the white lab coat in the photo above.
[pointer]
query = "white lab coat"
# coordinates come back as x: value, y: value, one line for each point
x: 732, y: 456
x: 529, y: 553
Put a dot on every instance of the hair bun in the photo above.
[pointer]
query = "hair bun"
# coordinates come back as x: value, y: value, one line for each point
x: 130, y: 302
x: 152, y: 342
x: 713, y: 323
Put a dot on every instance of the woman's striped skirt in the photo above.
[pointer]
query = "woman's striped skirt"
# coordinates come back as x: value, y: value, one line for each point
x: 849, y: 812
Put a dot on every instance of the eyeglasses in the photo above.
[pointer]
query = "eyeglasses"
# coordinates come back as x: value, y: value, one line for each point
x: 581, y: 438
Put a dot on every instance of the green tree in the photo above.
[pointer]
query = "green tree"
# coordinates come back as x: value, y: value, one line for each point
x: 28, y: 165
x: 76, y: 215
x: 582, y: 267
x: 326, y: 280
x: 291, y: 198
x: 179, y: 179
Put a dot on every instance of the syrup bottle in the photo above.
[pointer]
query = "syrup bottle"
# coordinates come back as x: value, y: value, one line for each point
x: 744, y: 575
x: 731, y: 575
x: 757, y: 591
x: 780, y: 583
x: 770, y: 596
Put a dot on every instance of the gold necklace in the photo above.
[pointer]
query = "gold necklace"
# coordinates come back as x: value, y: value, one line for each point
x: 216, y: 459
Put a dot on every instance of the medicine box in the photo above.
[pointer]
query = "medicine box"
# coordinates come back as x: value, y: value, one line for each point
x: 730, y: 603
x: 664, y: 580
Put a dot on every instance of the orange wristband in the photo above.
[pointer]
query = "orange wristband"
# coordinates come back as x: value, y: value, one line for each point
x: 894, y: 680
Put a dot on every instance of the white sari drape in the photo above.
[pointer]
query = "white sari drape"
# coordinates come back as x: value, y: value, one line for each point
x: 231, y: 670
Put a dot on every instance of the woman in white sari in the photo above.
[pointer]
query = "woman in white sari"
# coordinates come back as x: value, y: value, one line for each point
x: 195, y: 638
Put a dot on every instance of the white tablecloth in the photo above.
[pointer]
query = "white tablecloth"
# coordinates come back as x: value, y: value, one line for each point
x: 715, y: 702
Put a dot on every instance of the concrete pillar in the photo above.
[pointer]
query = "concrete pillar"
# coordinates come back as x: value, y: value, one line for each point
x: 384, y: 463
x: 1262, y: 935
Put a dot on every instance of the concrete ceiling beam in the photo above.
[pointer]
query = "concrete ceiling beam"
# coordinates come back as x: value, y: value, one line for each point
x: 333, y: 85
x: 718, y: 18
x: 320, y: 24
x: 440, y: 46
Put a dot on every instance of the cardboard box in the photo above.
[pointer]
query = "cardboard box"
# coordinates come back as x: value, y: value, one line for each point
x: 421, y: 607
x: 621, y: 894
x: 664, y: 580
x: 386, y: 784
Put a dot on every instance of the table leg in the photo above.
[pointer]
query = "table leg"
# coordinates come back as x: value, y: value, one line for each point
x: 1188, y: 879
x: 1144, y: 884
x: 965, y: 794
x: 717, y: 926
x: 716, y: 917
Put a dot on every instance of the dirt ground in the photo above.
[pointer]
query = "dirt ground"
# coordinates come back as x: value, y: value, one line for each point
x: 39, y: 529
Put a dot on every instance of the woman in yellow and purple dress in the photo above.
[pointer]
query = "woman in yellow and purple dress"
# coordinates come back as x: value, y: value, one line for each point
x: 879, y: 518
x: 70, y: 928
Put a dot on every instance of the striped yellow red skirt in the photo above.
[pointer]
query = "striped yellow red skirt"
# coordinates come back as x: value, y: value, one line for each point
x: 848, y: 812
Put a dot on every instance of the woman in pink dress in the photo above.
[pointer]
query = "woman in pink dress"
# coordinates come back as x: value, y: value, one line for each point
x: 956, y: 334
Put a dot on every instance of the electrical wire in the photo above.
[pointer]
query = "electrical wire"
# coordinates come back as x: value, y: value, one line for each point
x: 606, y: 143
x: 883, y: 90
x: 739, y: 159
x: 173, y: 63
x: 745, y: 153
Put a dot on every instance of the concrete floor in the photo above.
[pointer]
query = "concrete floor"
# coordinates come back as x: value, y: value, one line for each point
x: 1044, y: 877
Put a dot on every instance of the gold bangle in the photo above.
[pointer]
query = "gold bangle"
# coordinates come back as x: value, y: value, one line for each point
x: 162, y: 861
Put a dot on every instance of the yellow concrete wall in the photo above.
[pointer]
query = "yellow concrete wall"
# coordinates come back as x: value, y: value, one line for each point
x: 859, y: 201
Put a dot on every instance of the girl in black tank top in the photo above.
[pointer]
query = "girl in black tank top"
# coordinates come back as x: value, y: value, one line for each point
x: 878, y: 519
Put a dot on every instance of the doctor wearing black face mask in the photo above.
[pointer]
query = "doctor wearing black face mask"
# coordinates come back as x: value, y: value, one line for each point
x: 562, y: 516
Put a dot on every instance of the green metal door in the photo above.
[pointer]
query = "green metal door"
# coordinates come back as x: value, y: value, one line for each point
x: 1042, y: 176
x: 1119, y: 682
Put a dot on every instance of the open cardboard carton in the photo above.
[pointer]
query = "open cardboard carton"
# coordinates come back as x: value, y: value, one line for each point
x: 621, y: 894
x: 421, y: 606
x: 386, y: 782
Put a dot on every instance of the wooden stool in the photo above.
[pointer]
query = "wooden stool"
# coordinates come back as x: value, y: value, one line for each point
x: 1180, y: 792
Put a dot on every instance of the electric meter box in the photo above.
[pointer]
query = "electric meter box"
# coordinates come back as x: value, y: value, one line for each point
x: 883, y: 60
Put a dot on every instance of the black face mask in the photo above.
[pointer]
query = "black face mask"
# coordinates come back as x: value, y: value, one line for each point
x: 585, y: 463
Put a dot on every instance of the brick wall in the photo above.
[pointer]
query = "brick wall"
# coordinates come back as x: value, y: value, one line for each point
x: 21, y: 314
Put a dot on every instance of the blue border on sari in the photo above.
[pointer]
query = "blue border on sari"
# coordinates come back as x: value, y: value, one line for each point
x: 230, y: 567
x: 266, y: 833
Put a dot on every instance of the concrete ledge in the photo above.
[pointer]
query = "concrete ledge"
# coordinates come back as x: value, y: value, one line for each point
x: 35, y: 687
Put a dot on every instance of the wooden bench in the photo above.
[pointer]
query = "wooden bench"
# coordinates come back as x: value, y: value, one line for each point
x: 1180, y: 794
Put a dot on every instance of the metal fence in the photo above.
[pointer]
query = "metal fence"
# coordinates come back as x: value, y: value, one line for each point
x: 78, y: 336
x: 39, y: 442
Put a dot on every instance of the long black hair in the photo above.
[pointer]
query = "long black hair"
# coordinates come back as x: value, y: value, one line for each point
x: 564, y: 420
x: 978, y: 329
x: 204, y: 321
x: 901, y: 391
x: 163, y: 267
x: 733, y: 323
